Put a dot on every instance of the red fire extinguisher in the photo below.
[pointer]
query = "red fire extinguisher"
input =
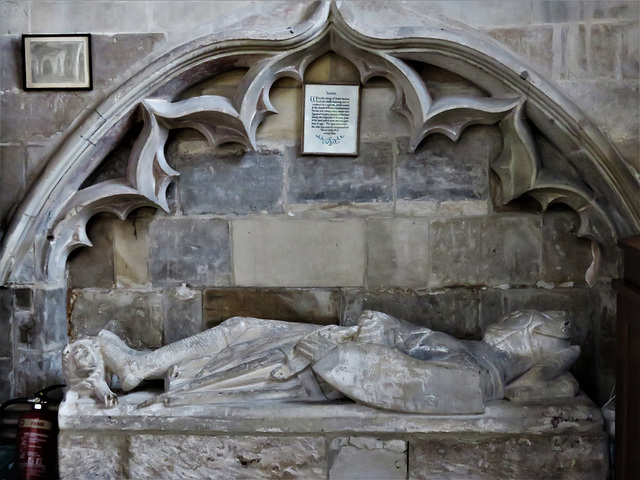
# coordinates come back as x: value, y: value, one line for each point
x: 37, y: 439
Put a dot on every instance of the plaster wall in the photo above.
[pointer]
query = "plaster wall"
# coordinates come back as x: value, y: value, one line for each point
x: 403, y: 245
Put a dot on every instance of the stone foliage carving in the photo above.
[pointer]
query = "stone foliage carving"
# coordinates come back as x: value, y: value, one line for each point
x: 55, y: 214
x: 382, y: 362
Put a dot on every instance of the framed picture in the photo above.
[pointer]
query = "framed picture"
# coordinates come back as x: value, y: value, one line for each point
x: 331, y: 119
x: 57, y: 62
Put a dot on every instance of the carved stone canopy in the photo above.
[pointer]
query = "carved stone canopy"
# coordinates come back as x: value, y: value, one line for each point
x: 588, y: 175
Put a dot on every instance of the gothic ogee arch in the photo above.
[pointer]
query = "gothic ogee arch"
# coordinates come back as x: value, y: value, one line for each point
x: 594, y: 180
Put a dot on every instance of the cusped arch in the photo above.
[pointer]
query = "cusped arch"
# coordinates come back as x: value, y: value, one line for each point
x: 52, y: 219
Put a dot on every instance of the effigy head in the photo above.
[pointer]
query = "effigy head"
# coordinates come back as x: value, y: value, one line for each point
x: 529, y: 335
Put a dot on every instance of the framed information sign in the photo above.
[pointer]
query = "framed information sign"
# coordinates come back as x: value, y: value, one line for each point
x: 331, y: 119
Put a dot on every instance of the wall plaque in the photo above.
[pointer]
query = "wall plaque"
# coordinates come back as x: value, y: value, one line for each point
x: 331, y: 119
x: 57, y: 62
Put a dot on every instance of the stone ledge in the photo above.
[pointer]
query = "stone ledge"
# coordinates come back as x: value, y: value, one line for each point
x: 578, y: 415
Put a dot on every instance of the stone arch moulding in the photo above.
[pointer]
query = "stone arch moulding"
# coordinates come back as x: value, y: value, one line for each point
x: 595, y: 181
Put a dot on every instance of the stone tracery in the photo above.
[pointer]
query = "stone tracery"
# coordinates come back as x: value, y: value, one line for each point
x: 61, y: 218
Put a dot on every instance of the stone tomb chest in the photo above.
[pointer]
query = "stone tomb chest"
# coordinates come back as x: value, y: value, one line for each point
x: 553, y: 439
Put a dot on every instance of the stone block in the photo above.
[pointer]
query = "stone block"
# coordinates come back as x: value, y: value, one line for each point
x: 39, y: 115
x: 180, y: 16
x: 12, y: 180
x: 563, y: 11
x: 320, y: 306
x: 565, y: 257
x: 180, y: 456
x: 94, y: 266
x: 603, y: 51
x: 50, y: 311
x: 365, y: 178
x: 6, y: 316
x: 319, y: 70
x: 88, y: 16
x: 377, y: 121
x: 442, y: 170
x: 367, y: 458
x: 191, y: 251
x: 131, y: 249
x: 298, y: 252
x: 630, y: 51
x: 444, y: 208
x: 14, y: 18
x: 534, y: 44
x: 29, y: 376
x: 45, y: 327
x: 10, y: 59
x: 525, y: 457
x: 397, y: 252
x: 284, y: 128
x: 247, y: 183
x: 453, y: 311
x: 7, y: 379
x: 103, y: 456
x: 119, y: 52
x: 135, y: 316
x: 182, y: 309
x: 495, y: 250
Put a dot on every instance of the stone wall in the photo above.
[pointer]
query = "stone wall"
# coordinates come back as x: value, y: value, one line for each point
x: 278, y: 235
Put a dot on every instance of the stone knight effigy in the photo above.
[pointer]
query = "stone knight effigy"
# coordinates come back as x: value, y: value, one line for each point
x: 382, y: 362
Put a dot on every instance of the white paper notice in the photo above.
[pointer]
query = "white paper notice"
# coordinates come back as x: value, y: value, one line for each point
x: 331, y: 119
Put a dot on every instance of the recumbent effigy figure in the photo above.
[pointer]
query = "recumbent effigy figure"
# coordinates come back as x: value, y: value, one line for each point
x: 382, y: 362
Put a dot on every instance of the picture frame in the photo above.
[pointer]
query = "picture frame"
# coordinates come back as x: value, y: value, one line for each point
x: 57, y: 62
x: 331, y: 119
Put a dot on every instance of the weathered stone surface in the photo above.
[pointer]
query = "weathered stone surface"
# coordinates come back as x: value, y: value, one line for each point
x: 440, y: 169
x: 109, y: 48
x: 562, y: 11
x: 365, y: 178
x: 565, y: 257
x: 182, y: 308
x: 131, y: 249
x: 397, y: 252
x: 92, y: 456
x: 367, y: 458
x: 6, y: 307
x: 181, y: 15
x: 100, y: 16
x: 377, y: 121
x: 25, y: 119
x: 94, y: 266
x: 453, y: 311
x: 298, y: 252
x: 531, y: 456
x: 7, y: 375
x: 136, y: 316
x: 45, y: 326
x: 532, y: 43
x: 196, y: 457
x: 570, y: 415
x: 282, y: 129
x: 12, y: 181
x: 50, y: 314
x: 191, y: 251
x: 14, y: 17
x: 249, y: 183
x: 30, y: 376
x: 630, y: 51
x: 318, y: 306
x: 11, y: 57
x: 485, y: 250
